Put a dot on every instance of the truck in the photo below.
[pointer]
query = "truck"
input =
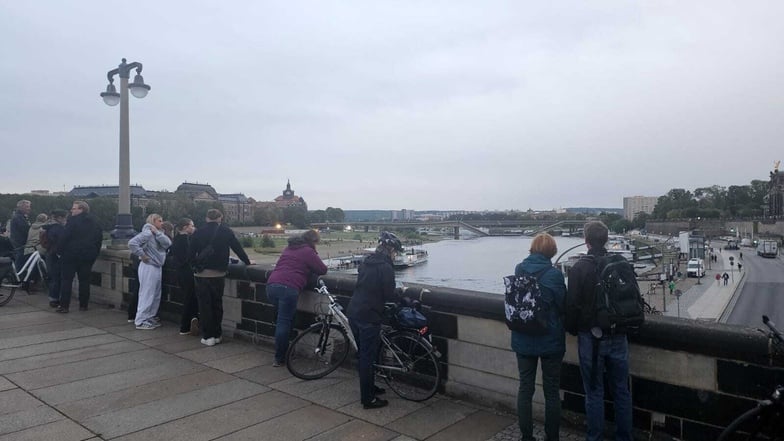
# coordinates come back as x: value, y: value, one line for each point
x: 683, y: 242
x: 695, y: 268
x: 767, y: 248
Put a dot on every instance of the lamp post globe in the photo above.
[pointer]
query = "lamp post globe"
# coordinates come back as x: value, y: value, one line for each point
x: 123, y: 229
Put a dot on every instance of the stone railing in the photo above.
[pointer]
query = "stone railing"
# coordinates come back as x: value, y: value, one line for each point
x: 688, y: 378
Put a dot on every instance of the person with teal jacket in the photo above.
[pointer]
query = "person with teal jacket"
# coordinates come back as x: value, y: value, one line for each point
x: 549, y: 348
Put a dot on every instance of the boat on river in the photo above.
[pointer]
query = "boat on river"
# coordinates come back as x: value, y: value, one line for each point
x: 410, y: 257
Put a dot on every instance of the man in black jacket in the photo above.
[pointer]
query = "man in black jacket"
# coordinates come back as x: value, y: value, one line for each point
x: 18, y: 229
x: 54, y: 232
x: 598, y: 349
x: 210, y: 272
x: 375, y: 286
x: 78, y: 247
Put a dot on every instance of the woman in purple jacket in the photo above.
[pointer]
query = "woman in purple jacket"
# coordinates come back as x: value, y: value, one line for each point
x: 297, y: 262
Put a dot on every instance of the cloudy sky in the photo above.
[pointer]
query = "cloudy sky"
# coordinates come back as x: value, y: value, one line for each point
x: 387, y: 105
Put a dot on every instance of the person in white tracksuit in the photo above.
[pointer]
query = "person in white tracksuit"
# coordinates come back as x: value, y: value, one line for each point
x: 150, y: 247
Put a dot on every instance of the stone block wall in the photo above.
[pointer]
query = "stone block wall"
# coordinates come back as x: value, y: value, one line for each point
x: 688, y: 378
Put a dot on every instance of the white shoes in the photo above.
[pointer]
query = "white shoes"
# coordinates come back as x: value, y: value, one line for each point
x: 208, y: 341
x: 217, y: 340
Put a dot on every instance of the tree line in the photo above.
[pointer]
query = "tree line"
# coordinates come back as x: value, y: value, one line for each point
x: 712, y: 202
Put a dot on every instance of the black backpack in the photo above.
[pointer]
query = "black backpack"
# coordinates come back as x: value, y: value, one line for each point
x: 619, y: 303
x: 525, y: 309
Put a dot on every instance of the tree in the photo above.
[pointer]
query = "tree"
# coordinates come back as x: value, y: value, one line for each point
x: 296, y: 215
x: 317, y: 216
x: 640, y: 219
x: 335, y: 215
x: 267, y: 216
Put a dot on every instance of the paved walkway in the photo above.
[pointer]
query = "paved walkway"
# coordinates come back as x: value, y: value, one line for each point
x: 92, y: 376
x: 709, y: 299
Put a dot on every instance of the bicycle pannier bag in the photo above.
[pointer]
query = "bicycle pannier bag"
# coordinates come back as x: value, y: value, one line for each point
x: 525, y: 308
x: 409, y: 317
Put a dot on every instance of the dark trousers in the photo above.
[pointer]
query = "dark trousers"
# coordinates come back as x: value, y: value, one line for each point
x: 368, y: 337
x: 54, y: 269
x: 551, y: 384
x: 190, y: 305
x: 285, y: 301
x: 209, y: 292
x: 81, y: 269
x: 133, y: 300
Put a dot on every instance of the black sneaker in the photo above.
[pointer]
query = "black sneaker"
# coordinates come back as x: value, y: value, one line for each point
x: 61, y: 310
x: 375, y: 404
x: 54, y: 304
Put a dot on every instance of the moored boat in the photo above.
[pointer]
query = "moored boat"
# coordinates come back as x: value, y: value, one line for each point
x: 410, y: 257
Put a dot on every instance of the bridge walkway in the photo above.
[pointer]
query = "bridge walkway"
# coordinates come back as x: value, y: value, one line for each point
x: 90, y: 375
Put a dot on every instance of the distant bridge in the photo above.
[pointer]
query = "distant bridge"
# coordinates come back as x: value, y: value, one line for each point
x: 491, y: 228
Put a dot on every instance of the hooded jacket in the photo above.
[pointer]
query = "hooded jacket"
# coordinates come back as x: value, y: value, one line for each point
x: 375, y: 286
x: 222, y: 239
x: 296, y: 263
x: 153, y: 245
x: 553, y: 287
x: 32, y: 237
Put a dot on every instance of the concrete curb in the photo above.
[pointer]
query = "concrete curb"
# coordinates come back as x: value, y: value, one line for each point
x: 730, y: 305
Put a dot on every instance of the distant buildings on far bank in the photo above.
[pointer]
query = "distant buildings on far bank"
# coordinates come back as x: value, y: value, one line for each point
x: 238, y: 208
x: 633, y: 205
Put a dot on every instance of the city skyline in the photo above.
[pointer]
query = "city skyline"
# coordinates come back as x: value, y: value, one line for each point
x: 491, y: 106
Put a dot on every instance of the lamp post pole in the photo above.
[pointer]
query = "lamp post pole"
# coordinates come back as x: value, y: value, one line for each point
x: 123, y: 229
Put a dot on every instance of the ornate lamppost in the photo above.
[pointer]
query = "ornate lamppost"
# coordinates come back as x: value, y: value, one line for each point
x: 123, y: 229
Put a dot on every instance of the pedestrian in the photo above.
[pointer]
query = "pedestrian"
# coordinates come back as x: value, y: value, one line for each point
x: 549, y: 348
x: 726, y: 278
x: 79, y: 248
x: 296, y: 265
x: 672, y: 287
x: 209, y: 255
x: 51, y: 251
x: 31, y: 244
x: 18, y: 228
x: 375, y: 286
x: 740, y: 255
x: 150, y: 247
x: 180, y: 260
x: 740, y: 266
x: 718, y: 277
x: 599, y: 350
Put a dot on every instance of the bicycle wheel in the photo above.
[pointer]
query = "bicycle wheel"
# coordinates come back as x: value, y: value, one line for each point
x: 7, y: 289
x: 409, y: 367
x: 317, y: 351
x: 759, y: 423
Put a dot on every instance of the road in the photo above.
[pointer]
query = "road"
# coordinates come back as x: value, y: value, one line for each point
x: 762, y: 292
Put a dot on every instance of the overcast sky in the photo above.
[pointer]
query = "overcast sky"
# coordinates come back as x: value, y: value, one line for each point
x: 389, y: 105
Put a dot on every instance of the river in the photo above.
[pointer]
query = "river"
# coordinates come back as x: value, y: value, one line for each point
x: 477, y: 264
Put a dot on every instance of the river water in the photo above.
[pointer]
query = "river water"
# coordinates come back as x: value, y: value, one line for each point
x: 477, y: 264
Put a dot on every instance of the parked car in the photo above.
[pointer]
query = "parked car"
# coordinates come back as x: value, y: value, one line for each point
x: 695, y: 268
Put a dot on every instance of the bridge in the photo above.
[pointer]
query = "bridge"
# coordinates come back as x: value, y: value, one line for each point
x: 478, y: 227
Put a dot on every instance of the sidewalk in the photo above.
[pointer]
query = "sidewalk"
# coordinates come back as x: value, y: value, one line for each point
x: 709, y: 299
x: 92, y: 376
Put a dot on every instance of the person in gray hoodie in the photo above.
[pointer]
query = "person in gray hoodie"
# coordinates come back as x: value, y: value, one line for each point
x: 150, y: 247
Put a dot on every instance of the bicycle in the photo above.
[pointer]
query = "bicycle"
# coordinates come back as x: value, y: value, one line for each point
x: 407, y: 360
x: 11, y: 279
x: 766, y: 420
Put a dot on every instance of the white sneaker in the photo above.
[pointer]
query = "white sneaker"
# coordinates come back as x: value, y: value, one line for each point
x: 217, y: 340
x: 146, y: 326
x: 208, y: 341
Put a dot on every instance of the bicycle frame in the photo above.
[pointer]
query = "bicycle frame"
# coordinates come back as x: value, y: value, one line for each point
x: 336, y: 313
x: 28, y: 267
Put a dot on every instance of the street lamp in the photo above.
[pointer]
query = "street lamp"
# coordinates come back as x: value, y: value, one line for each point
x: 123, y: 229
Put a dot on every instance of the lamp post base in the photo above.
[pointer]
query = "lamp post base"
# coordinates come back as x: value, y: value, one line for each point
x: 123, y: 231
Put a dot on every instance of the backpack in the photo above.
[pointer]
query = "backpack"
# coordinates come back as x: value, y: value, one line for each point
x: 525, y: 309
x: 619, y: 303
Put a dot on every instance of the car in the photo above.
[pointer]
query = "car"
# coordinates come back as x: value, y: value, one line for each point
x: 695, y: 268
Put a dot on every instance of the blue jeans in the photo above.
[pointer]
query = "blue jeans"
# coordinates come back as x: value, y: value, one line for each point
x: 613, y: 356
x: 285, y: 301
x: 368, y: 337
x: 551, y: 385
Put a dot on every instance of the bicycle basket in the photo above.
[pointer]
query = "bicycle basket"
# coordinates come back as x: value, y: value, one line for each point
x: 408, y: 317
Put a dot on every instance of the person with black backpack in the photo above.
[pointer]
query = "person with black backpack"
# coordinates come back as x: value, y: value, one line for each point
x: 603, y: 304
x: 539, y: 293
